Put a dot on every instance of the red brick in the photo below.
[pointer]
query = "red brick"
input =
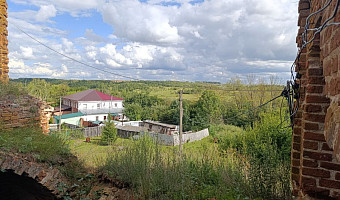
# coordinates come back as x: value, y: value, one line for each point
x: 315, y: 118
x: 297, y: 139
x: 337, y: 176
x: 316, y: 192
x: 295, y: 162
x: 316, y: 80
x: 310, y: 145
x: 308, y: 182
x: 296, y: 155
x: 297, y: 131
x: 329, y: 184
x: 317, y: 155
x: 295, y: 170
x: 297, y: 122
x: 303, y: 6
x: 295, y: 177
x: 331, y: 166
x: 325, y: 147
x: 314, y: 136
x: 311, y: 108
x: 309, y: 163
x: 316, y: 172
x: 296, y: 146
x: 314, y: 89
x: 311, y: 126
x: 317, y: 99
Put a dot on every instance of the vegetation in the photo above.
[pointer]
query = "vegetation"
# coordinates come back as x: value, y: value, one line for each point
x: 109, y: 135
x: 43, y: 148
x: 247, y: 156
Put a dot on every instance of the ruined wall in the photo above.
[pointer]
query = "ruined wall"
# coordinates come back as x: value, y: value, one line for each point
x: 24, y: 111
x: 316, y: 142
x: 3, y: 42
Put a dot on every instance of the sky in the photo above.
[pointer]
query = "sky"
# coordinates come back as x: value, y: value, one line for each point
x: 180, y: 40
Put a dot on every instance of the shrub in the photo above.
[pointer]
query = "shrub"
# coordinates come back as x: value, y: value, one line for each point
x: 109, y: 135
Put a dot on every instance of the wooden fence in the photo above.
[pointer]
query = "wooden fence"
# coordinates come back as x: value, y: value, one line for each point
x: 88, y: 131
x: 93, y: 131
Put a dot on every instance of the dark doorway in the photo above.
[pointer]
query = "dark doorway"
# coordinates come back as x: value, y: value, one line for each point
x: 15, y: 187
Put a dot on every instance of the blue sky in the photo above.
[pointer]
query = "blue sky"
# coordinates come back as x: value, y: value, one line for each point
x: 185, y: 40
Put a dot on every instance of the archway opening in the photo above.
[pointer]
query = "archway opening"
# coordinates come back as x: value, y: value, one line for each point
x: 16, y: 187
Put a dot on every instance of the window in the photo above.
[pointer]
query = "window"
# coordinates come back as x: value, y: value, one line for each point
x: 97, y: 118
x: 104, y: 117
x: 116, y: 105
x: 98, y: 105
x: 85, y: 106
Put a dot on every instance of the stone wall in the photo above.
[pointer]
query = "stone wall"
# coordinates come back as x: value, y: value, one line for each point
x: 24, y: 111
x: 3, y: 42
x: 316, y: 141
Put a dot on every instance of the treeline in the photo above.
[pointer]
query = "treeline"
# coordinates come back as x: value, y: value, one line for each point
x: 216, y: 103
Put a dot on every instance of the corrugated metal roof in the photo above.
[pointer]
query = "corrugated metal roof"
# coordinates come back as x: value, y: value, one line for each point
x: 71, y: 115
x: 91, y: 95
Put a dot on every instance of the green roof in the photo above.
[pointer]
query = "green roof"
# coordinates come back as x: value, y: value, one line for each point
x: 71, y: 115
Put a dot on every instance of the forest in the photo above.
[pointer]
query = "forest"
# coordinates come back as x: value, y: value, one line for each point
x: 247, y: 155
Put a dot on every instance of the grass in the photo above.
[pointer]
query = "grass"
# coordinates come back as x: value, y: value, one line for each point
x: 49, y: 149
x: 155, y: 172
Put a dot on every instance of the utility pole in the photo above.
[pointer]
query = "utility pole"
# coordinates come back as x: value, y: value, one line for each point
x: 60, y: 115
x: 180, y: 123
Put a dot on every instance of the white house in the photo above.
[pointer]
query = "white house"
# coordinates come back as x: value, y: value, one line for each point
x: 94, y: 105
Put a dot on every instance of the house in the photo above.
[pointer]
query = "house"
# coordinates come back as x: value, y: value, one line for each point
x: 92, y: 105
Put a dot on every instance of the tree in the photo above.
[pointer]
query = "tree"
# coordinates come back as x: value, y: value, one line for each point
x: 39, y: 88
x: 109, y: 135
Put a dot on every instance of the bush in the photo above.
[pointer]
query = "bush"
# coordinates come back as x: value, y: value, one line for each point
x: 267, y: 154
x: 109, y: 135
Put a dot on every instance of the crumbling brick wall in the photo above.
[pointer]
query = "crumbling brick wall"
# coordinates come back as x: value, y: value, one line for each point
x: 24, y: 111
x: 3, y: 42
x: 316, y: 138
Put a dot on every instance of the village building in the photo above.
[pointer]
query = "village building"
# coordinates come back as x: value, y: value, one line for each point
x: 89, y: 106
x: 162, y: 128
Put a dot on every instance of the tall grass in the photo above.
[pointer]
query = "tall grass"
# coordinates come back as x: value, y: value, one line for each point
x: 157, y: 174
x: 267, y: 152
x: 31, y: 140
x: 251, y: 164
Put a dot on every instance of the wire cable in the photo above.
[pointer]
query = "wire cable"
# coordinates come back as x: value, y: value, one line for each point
x: 257, y: 107
x: 73, y: 59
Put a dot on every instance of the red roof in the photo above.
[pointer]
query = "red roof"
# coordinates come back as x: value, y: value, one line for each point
x: 91, y: 95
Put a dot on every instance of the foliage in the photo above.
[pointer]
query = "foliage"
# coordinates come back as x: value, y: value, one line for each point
x: 154, y: 174
x: 31, y: 140
x: 267, y: 152
x: 109, y: 134
x: 10, y: 88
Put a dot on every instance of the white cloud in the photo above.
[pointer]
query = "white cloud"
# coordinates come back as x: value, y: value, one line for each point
x: 212, y: 40
x: 141, y: 22
x: 45, y: 13
x: 27, y: 52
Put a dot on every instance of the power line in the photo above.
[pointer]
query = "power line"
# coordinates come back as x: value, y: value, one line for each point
x: 257, y: 107
x: 73, y: 59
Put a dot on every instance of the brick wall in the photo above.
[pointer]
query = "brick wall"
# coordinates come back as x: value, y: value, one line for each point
x: 24, y: 111
x: 3, y: 42
x: 316, y: 138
